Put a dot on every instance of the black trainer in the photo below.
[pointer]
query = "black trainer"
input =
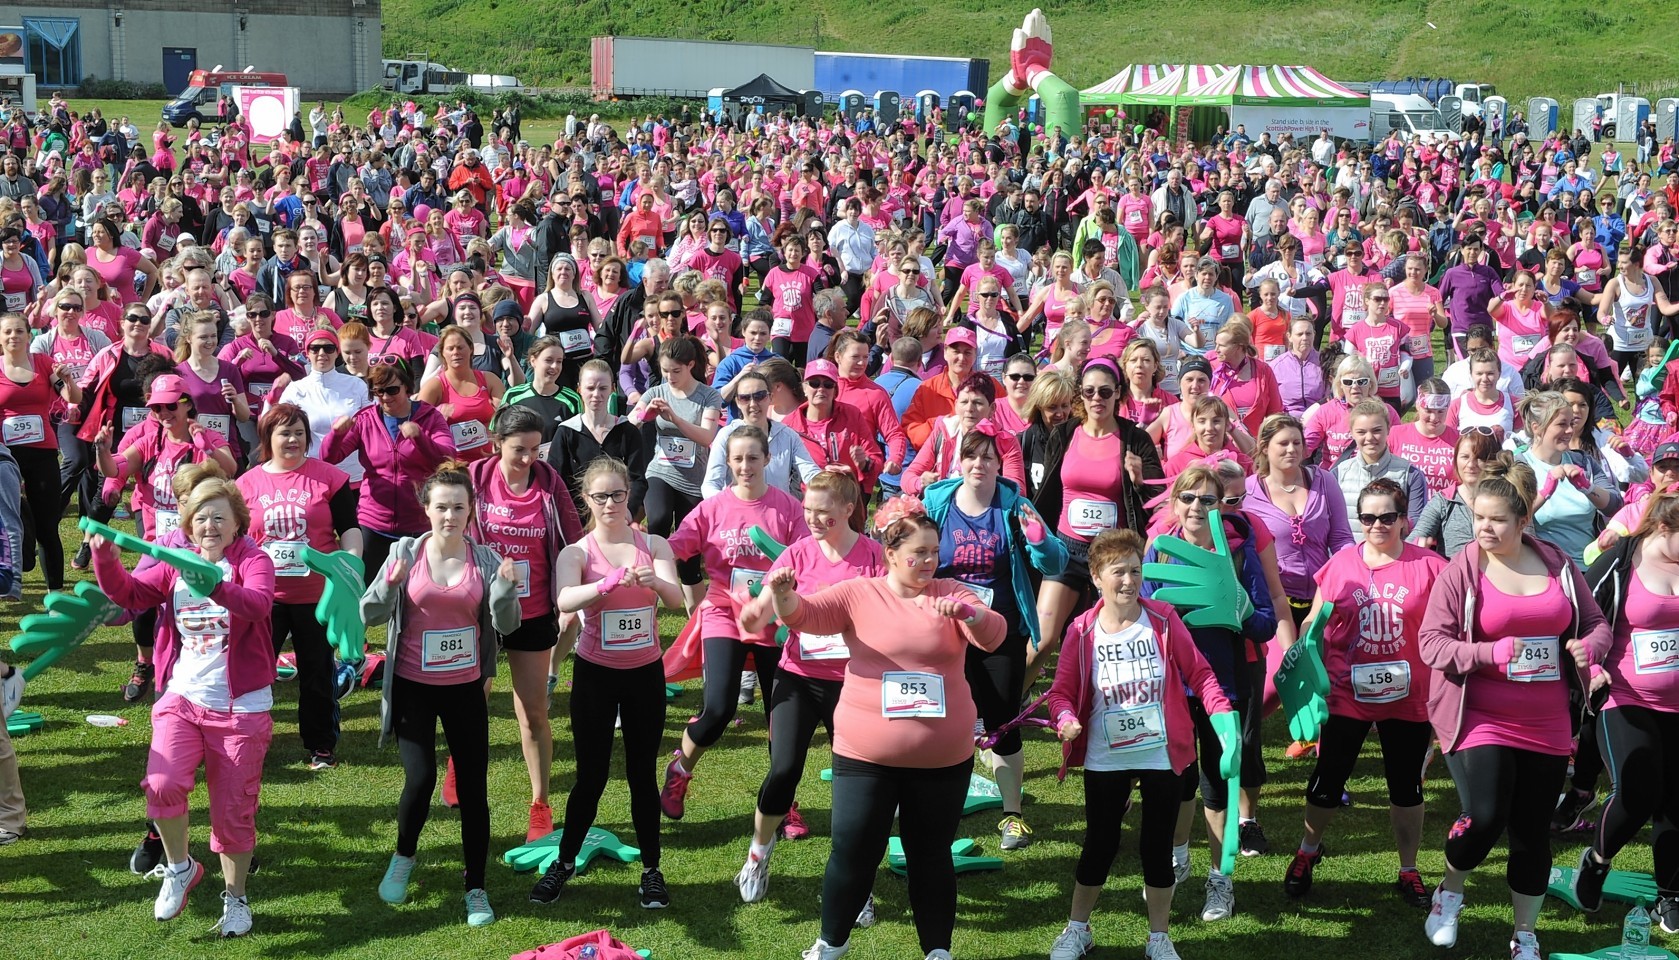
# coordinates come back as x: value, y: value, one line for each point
x: 1252, y: 839
x: 553, y: 881
x: 1573, y: 805
x: 1588, y: 882
x: 654, y: 896
x: 322, y: 760
x: 148, y: 854
x: 83, y: 557
x: 1297, y: 882
x: 139, y: 682
x: 1666, y: 913
x: 1412, y: 890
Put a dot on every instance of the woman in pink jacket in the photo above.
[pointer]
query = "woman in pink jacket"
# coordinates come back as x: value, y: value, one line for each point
x: 402, y: 441
x: 1499, y: 699
x: 215, y: 668
x: 1123, y: 671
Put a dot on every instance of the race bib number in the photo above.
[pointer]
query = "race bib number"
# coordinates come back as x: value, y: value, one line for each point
x: 1655, y: 651
x: 985, y: 594
x: 1419, y: 345
x: 1523, y: 343
x: 15, y: 302
x: 1133, y: 218
x: 1133, y: 729
x: 1351, y: 316
x: 1087, y: 518
x: 522, y: 577
x: 1314, y: 260
x: 469, y: 435
x: 260, y: 390
x: 542, y: 451
x: 745, y: 582
x: 828, y: 646
x: 678, y: 452
x: 575, y: 341
x: 287, y: 556
x: 1536, y: 660
x: 1037, y: 474
x: 131, y: 416
x: 221, y: 423
x: 1586, y: 278
x: 165, y: 242
x: 1381, y: 682
x: 648, y: 239
x: 23, y: 429
x: 908, y: 693
x: 444, y: 650
x: 1273, y: 351
x: 781, y: 327
x: 629, y: 629
x: 166, y: 522
x: 1229, y: 251
x: 1169, y: 367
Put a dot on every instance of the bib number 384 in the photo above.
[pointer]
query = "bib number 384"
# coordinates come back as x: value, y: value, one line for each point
x: 907, y: 693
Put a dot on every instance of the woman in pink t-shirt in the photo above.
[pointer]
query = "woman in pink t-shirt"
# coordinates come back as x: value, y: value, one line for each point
x: 1376, y: 677
x: 903, y: 728
x: 1521, y: 320
x: 718, y: 531
x: 116, y: 264
x: 444, y: 597
x: 1509, y: 632
x: 812, y: 669
x: 614, y: 580
x: 297, y: 501
x: 792, y: 285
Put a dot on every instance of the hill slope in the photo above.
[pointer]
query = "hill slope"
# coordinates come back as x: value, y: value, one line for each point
x: 1526, y: 48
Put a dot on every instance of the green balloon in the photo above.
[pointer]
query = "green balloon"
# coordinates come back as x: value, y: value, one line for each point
x: 1110, y: 113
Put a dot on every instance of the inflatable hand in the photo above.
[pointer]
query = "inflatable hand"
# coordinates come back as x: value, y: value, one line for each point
x: 200, y: 575
x: 1202, y: 584
x: 70, y: 619
x: 1030, y: 50
x: 962, y: 855
x: 538, y: 854
x: 1620, y: 885
x: 23, y: 722
x: 339, y: 609
x: 1303, y: 683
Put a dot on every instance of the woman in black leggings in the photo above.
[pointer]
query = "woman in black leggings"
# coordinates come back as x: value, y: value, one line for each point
x: 615, y: 577
x: 1637, y: 586
x: 1121, y: 712
x: 445, y: 599
x: 30, y: 387
x: 1499, y: 703
x: 1376, y: 678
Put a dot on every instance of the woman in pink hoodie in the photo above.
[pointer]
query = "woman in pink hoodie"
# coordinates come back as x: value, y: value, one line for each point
x: 1124, y: 666
x: 1499, y: 699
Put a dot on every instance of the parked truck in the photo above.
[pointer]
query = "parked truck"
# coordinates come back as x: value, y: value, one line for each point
x: 872, y: 73
x: 1433, y: 88
x: 417, y: 75
x: 1411, y: 114
x: 645, y: 66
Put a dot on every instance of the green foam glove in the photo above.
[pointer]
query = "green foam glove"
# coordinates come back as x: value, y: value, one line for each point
x: 1651, y: 952
x: 766, y: 544
x: 961, y: 852
x: 982, y: 795
x: 339, y: 609
x: 1303, y: 683
x: 70, y: 619
x: 1202, y: 585
x: 200, y: 575
x: 1228, y: 727
x: 538, y: 854
x: 1620, y: 886
x: 1232, y: 827
x: 672, y: 690
x: 23, y: 722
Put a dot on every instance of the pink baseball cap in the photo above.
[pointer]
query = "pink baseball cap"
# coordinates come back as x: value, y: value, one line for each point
x: 961, y: 335
x: 167, y: 389
x: 821, y: 368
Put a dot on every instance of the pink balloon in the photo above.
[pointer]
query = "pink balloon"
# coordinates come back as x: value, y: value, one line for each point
x: 421, y: 212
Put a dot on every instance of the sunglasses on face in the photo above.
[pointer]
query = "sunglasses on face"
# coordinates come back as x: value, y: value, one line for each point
x: 1022, y: 377
x: 1355, y: 381
x: 259, y: 314
x: 1234, y: 501
x: 671, y: 314
x: 70, y: 308
x: 1385, y: 519
x: 1097, y: 393
x: 322, y: 348
x: 1378, y: 299
x: 615, y: 496
x: 821, y: 383
x: 137, y: 318
x: 160, y: 407
x: 390, y: 391
x: 910, y: 273
x: 1206, y: 500
x: 757, y: 396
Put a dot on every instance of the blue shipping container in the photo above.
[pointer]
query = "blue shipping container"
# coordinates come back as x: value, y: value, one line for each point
x: 871, y: 73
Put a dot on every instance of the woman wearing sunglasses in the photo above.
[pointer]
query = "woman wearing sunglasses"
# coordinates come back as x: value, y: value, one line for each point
x: 1195, y: 495
x: 324, y: 393
x: 1380, y: 339
x: 1376, y: 677
x: 897, y: 301
x: 68, y: 344
x: 1017, y: 377
x: 838, y: 435
x: 262, y: 356
x: 1328, y: 431
x: 1369, y: 458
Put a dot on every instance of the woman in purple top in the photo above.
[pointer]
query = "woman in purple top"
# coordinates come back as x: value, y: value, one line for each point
x: 1301, y: 505
x: 1467, y: 289
x: 963, y: 235
x: 1299, y: 369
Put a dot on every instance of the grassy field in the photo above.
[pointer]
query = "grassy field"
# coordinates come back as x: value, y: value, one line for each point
x: 325, y: 838
x: 1510, y: 43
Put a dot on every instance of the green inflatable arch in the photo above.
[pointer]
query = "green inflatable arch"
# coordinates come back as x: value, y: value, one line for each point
x: 1059, y: 98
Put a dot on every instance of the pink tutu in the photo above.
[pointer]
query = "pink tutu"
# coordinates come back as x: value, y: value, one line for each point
x: 1644, y: 436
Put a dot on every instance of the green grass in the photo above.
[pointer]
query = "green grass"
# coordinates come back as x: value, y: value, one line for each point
x: 1510, y: 43
x: 325, y: 838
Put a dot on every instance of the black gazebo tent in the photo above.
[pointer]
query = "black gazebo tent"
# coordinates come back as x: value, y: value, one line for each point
x: 765, y: 91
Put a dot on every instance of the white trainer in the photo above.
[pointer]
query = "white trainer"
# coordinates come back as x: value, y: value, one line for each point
x: 821, y: 951
x: 172, y: 896
x: 236, y: 916
x: 1073, y: 943
x: 1441, y: 925
x: 938, y: 955
x: 1160, y: 948
x: 865, y: 916
x: 1221, y: 898
x: 754, y: 878
x: 1525, y: 946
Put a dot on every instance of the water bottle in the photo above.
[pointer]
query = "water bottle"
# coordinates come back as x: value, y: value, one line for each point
x: 1635, y: 933
x: 590, y: 953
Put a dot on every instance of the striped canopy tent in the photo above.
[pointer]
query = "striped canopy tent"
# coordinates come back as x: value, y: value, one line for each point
x: 1276, y: 86
x: 1173, y: 89
x: 1115, y: 89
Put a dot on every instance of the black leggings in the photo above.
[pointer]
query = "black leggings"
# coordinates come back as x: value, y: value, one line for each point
x: 317, y: 707
x: 725, y: 658
x: 42, y: 487
x: 1404, y: 744
x: 928, y: 805
x: 794, y: 353
x: 1506, y: 790
x: 78, y: 475
x: 637, y: 697
x: 376, y: 548
x: 1634, y: 741
x: 797, y: 705
x: 951, y: 281
x: 466, y: 727
x: 1251, y: 711
x: 852, y: 285
x: 1106, y: 792
x: 666, y: 508
x: 1588, y: 762
x: 995, y: 678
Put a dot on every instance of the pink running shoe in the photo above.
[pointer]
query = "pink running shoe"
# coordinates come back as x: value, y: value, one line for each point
x: 673, y: 797
x: 793, y: 827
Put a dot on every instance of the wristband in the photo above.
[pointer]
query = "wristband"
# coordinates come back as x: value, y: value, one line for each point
x: 610, y: 582
x: 1063, y: 718
x: 964, y: 611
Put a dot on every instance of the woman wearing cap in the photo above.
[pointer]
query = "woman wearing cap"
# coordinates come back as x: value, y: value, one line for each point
x: 325, y: 394
x: 31, y: 386
x: 215, y: 670
x: 300, y: 501
x: 1510, y: 629
x: 838, y: 435
x: 397, y: 461
x: 467, y: 398
x: 596, y: 432
x: 566, y: 312
x: 219, y: 396
x: 526, y: 513
x: 265, y: 359
x: 792, y: 454
x: 903, y: 727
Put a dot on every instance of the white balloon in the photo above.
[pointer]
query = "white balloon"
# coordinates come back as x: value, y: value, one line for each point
x: 268, y: 116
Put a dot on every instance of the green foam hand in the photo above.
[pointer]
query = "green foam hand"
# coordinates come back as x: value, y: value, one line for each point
x: 983, y: 794
x: 962, y: 856
x: 200, y: 575
x: 538, y: 854
x: 70, y: 619
x: 23, y: 722
x: 1202, y: 585
x: 773, y: 549
x: 339, y: 609
x: 1620, y: 885
x: 1228, y: 727
x: 1303, y: 683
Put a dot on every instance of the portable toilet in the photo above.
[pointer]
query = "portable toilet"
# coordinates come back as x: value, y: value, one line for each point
x: 851, y: 105
x: 959, y: 110
x: 1034, y: 110
x: 925, y: 103
x: 812, y: 103
x: 1541, y: 117
x: 714, y: 103
x: 1667, y: 112
x: 1629, y: 116
x: 1498, y: 107
x: 1451, y: 112
x: 1585, y: 111
x: 887, y: 106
